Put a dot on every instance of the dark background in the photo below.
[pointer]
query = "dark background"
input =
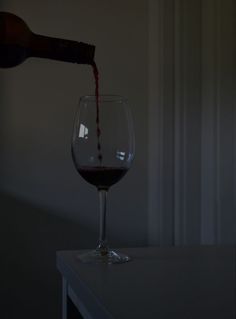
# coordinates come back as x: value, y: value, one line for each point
x: 45, y: 205
x: 175, y: 61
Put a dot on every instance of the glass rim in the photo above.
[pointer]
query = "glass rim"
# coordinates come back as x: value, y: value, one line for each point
x: 103, y: 98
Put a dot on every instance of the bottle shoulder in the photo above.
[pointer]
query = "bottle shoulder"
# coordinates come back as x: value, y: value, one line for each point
x: 13, y: 30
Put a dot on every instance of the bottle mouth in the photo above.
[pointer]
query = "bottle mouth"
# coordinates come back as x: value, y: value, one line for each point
x: 87, y: 53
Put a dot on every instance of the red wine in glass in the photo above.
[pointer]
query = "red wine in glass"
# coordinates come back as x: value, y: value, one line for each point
x: 102, y: 177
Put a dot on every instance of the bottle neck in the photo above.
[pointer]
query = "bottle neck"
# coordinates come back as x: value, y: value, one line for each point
x: 61, y: 50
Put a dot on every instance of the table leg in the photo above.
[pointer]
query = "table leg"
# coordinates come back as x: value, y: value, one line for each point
x: 69, y: 310
x: 64, y: 298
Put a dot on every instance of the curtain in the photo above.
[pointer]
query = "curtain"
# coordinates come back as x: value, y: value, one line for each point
x: 192, y: 117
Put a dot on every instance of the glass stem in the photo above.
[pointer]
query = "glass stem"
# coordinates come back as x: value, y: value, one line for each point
x: 102, y: 245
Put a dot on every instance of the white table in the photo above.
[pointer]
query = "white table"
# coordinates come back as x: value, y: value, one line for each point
x: 162, y: 283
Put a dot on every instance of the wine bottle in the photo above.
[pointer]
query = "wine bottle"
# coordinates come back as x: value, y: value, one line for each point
x: 18, y: 42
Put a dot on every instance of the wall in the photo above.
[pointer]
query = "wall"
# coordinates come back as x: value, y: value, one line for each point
x: 45, y: 204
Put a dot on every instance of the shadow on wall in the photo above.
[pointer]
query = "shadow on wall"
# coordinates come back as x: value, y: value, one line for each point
x: 29, y: 239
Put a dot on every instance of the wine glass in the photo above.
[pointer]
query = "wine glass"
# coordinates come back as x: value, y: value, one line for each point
x: 103, y: 150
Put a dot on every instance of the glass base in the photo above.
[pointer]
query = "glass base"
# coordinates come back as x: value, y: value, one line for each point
x: 98, y: 257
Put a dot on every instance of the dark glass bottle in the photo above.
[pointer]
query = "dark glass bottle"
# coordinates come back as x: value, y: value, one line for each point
x: 18, y: 42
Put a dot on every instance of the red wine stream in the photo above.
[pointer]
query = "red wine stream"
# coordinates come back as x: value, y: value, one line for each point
x: 96, y: 77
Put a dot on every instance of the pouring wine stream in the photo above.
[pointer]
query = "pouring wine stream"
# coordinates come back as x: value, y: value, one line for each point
x: 96, y: 77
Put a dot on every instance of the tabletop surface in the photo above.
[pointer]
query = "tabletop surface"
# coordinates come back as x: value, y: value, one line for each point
x: 173, y: 282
